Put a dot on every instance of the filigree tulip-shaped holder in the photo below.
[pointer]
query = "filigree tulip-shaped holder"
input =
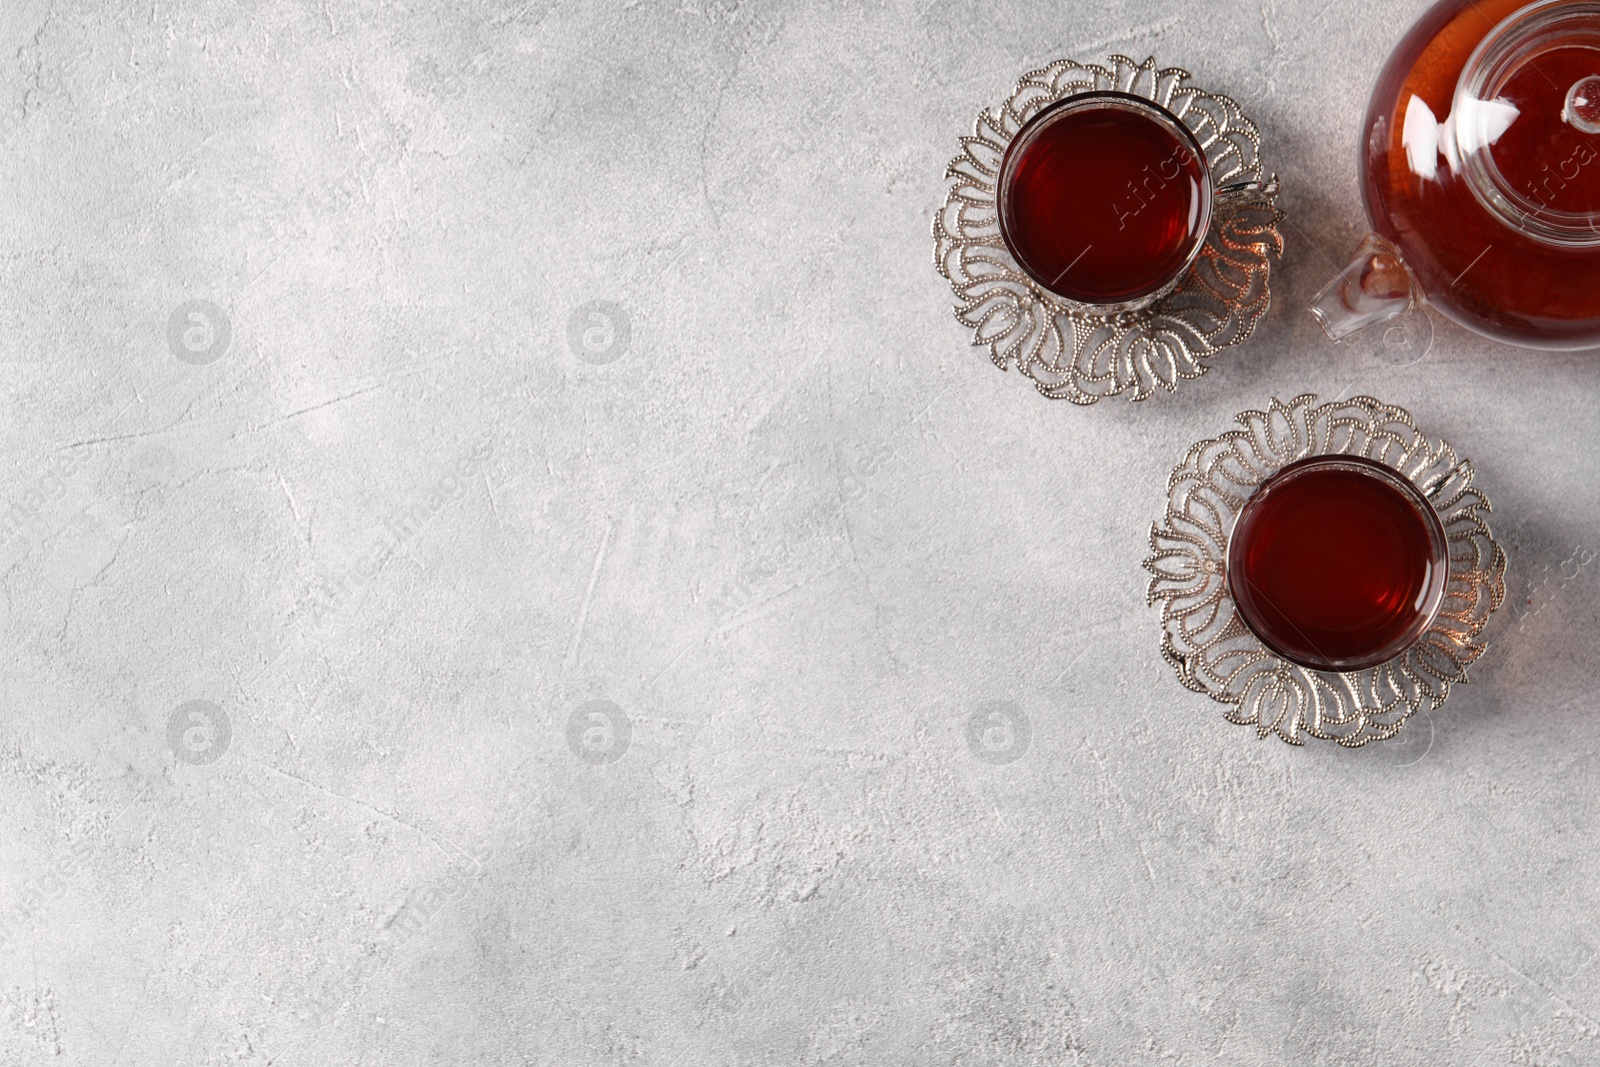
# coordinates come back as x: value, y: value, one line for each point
x: 1210, y: 645
x: 1083, y: 350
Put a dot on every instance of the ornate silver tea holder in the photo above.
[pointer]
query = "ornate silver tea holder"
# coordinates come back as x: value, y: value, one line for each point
x: 1216, y: 653
x: 1083, y: 352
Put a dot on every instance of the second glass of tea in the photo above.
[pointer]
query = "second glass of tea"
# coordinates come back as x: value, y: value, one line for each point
x: 1338, y: 563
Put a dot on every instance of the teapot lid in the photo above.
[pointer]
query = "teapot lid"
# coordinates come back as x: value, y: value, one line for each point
x: 1526, y: 120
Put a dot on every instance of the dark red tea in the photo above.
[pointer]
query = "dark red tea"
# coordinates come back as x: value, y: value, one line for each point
x: 1104, y: 198
x: 1337, y: 563
x: 1545, y: 155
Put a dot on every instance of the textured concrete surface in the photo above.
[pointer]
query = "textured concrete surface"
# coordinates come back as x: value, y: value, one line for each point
x: 507, y: 542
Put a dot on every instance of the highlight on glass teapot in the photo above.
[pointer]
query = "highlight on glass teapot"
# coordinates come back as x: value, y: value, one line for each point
x: 1480, y: 162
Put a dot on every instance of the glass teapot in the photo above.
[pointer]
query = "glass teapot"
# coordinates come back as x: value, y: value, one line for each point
x: 1481, y: 177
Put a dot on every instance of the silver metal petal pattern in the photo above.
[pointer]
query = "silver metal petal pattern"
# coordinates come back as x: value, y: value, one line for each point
x: 1214, y: 652
x: 1074, y: 354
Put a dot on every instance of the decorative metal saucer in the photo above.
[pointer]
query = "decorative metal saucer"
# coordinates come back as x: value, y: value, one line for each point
x: 1077, y: 353
x: 1215, y: 653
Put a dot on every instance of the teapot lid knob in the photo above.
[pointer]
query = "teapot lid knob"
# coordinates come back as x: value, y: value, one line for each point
x: 1583, y: 104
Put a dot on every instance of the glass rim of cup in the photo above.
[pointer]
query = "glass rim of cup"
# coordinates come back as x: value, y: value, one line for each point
x: 1438, y: 586
x: 1095, y: 99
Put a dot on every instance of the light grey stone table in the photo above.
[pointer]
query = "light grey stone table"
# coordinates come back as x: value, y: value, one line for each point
x: 385, y: 384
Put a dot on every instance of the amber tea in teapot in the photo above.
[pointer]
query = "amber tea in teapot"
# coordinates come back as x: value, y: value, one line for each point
x: 1481, y: 176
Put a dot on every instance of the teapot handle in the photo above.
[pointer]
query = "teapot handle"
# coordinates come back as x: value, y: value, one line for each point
x: 1248, y: 192
x: 1377, y: 286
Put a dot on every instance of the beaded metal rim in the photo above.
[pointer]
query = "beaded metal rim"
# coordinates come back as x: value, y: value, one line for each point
x: 1075, y: 353
x: 1213, y: 651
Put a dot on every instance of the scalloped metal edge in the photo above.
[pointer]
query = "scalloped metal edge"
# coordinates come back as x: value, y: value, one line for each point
x: 1080, y: 356
x: 1209, y: 646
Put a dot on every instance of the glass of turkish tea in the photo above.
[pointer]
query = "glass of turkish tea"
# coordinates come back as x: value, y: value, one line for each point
x: 1338, y: 563
x: 1105, y: 200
